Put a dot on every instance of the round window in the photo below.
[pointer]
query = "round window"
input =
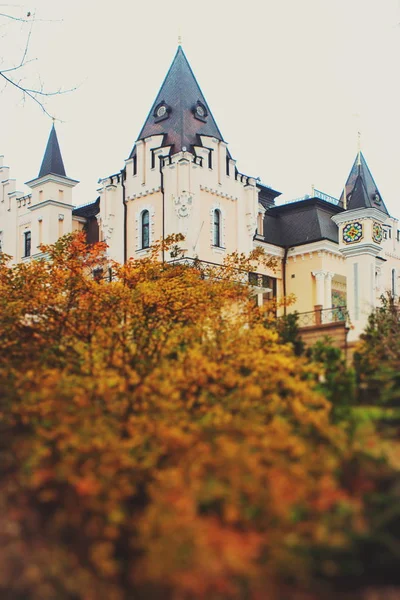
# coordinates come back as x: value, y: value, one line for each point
x: 161, y: 111
x: 200, y: 110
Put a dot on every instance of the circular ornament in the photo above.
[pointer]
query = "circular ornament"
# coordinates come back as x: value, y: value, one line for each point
x: 377, y: 232
x: 352, y: 232
x: 161, y: 111
x: 200, y: 110
x: 376, y: 198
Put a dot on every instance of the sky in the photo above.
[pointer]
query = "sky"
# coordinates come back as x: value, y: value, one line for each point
x: 290, y: 84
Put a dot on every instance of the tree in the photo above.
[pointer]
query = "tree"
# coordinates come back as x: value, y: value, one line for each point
x: 159, y: 442
x: 377, y: 359
x: 337, y: 380
x: 13, y: 72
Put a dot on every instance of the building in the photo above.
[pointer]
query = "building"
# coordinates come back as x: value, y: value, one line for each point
x: 180, y: 177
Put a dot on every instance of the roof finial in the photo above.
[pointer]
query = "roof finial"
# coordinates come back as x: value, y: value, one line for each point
x: 179, y: 36
x: 359, y: 149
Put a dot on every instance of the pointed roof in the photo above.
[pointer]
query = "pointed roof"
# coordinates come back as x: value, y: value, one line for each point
x: 361, y: 189
x: 52, y: 160
x: 186, y: 115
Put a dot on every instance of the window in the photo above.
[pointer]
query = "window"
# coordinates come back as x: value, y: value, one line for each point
x: 394, y: 282
x: 145, y: 223
x: 27, y: 243
x: 217, y: 228
x: 253, y: 279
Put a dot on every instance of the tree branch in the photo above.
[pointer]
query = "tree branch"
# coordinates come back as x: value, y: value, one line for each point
x: 31, y: 93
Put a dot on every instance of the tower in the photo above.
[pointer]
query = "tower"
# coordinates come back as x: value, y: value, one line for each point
x: 181, y: 178
x: 360, y: 241
x: 48, y: 213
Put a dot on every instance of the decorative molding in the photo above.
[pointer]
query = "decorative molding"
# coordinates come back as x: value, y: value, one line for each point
x: 53, y: 203
x: 270, y: 249
x: 326, y: 246
x: 205, y: 188
x: 67, y: 181
x: 364, y: 248
x: 147, y: 192
x: 360, y: 214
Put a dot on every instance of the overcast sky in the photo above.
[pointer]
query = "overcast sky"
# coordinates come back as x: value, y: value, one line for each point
x: 289, y: 82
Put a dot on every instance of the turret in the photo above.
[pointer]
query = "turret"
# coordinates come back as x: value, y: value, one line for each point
x: 360, y: 241
x: 51, y: 200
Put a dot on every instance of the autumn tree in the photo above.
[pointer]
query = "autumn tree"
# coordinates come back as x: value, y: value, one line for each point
x: 158, y: 442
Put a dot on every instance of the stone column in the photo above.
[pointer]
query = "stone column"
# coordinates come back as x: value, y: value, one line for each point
x: 320, y: 280
x: 328, y: 289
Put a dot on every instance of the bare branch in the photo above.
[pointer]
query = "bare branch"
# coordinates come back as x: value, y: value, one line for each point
x: 18, y: 66
x: 28, y: 92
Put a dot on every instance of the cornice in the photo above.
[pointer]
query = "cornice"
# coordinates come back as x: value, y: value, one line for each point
x: 53, y: 203
x: 206, y: 188
x: 368, y: 248
x: 360, y: 213
x: 51, y: 177
x: 269, y: 248
x: 144, y: 193
x: 321, y: 246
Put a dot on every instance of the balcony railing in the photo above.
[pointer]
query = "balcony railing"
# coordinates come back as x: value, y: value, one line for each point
x: 323, y: 316
x: 259, y: 282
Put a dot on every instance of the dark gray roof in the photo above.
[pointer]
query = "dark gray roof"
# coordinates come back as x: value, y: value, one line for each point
x: 52, y: 160
x: 301, y: 223
x: 180, y: 94
x: 267, y: 195
x: 88, y: 210
x: 361, y: 189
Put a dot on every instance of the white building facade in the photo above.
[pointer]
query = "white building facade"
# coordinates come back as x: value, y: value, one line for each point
x: 181, y: 178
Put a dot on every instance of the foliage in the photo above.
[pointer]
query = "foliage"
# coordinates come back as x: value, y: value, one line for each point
x: 377, y: 359
x: 288, y: 331
x: 158, y: 442
x: 337, y: 380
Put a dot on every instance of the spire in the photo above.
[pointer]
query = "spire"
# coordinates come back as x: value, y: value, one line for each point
x: 52, y: 160
x: 361, y: 190
x: 180, y: 111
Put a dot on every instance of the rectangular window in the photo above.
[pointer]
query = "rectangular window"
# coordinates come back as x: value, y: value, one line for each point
x: 210, y: 158
x: 27, y: 243
x: 217, y: 228
x: 40, y: 230
x: 253, y: 279
x: 145, y: 229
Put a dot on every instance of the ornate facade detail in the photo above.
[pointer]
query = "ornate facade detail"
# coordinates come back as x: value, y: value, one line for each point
x: 352, y: 232
x: 377, y: 232
x: 183, y: 205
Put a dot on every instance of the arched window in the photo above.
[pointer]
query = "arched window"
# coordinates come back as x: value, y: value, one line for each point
x: 145, y: 227
x: 394, y: 282
x: 217, y: 227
